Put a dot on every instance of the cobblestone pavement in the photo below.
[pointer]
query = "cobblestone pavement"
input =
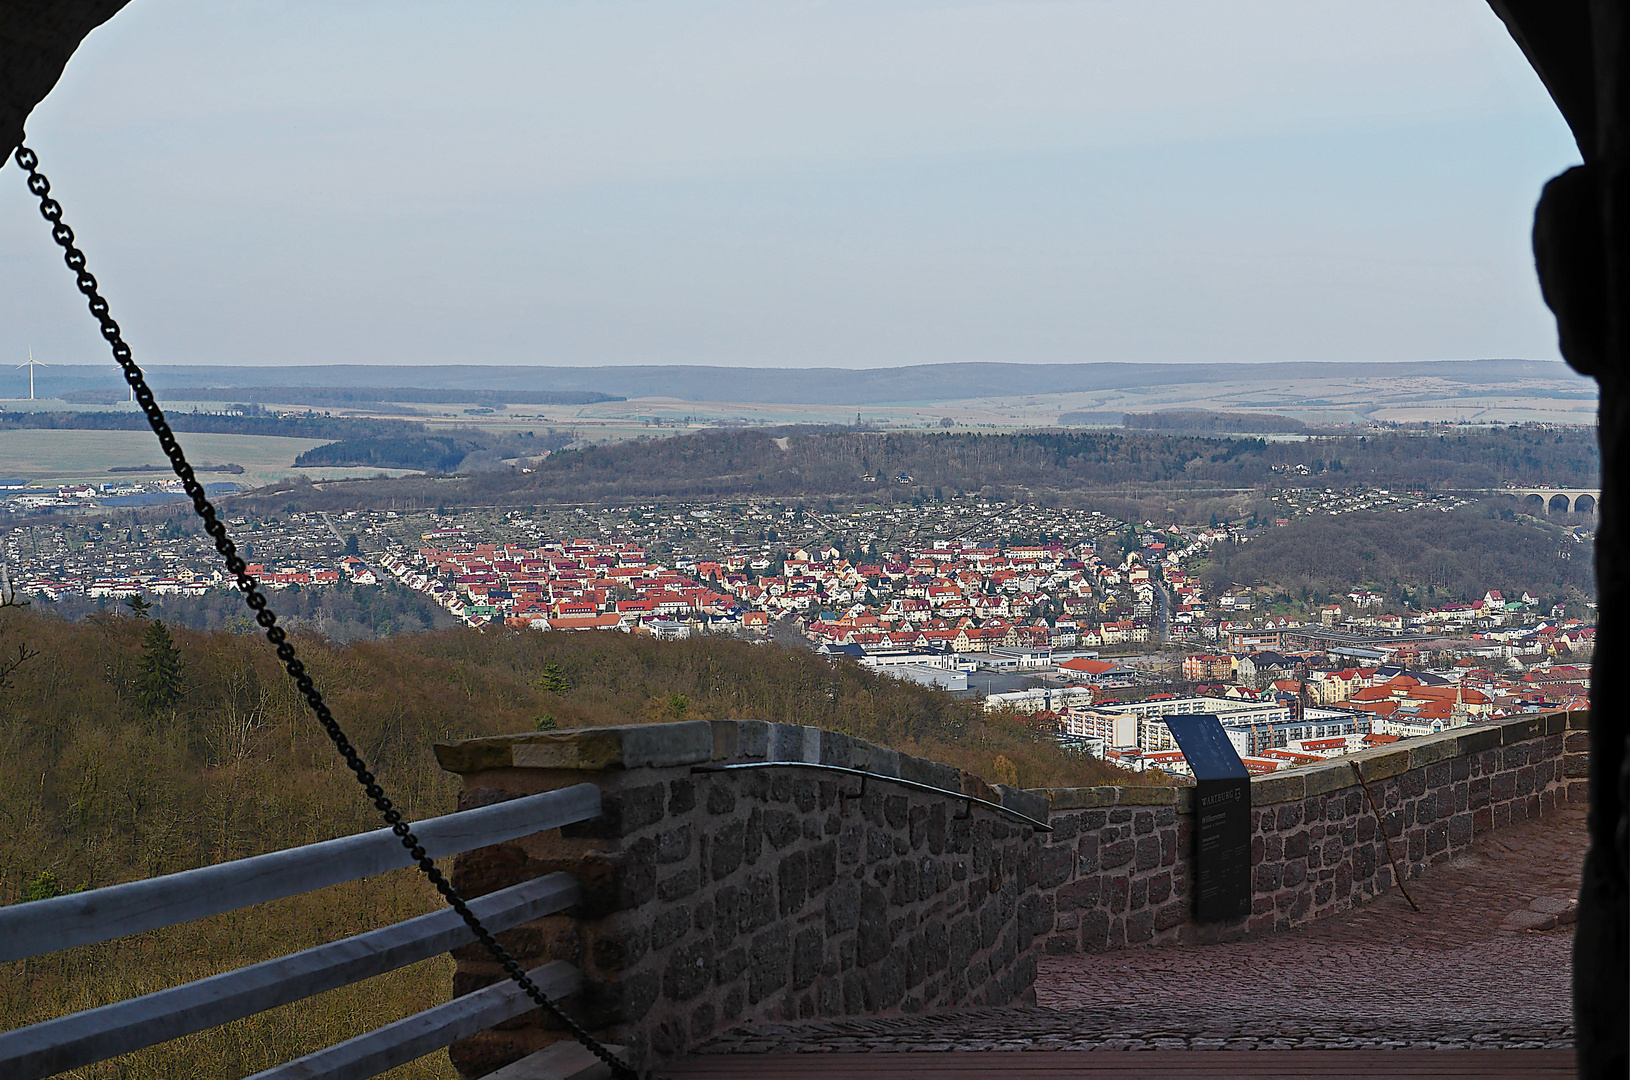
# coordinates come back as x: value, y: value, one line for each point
x: 1484, y: 964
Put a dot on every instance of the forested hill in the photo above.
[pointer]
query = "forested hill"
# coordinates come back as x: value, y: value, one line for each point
x: 121, y: 765
x: 821, y: 462
x: 1432, y: 555
x: 136, y: 748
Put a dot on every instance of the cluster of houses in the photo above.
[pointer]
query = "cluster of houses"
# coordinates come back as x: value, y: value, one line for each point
x: 966, y: 599
x: 109, y: 560
x: 581, y: 585
x: 181, y: 580
x: 944, y: 598
x: 1494, y: 614
x: 936, y: 613
x: 1522, y: 623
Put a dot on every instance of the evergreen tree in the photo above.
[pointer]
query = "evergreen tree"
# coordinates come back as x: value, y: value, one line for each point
x: 158, y: 679
x: 554, y: 680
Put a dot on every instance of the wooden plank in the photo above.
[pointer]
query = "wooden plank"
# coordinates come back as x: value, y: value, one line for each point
x: 1130, y: 1065
x: 429, y: 1031
x: 63, y: 922
x: 97, y: 1034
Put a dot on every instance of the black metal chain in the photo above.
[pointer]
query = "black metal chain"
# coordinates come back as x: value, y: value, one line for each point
x: 51, y: 210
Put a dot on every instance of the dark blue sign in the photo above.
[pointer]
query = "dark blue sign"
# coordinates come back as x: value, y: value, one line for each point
x: 1222, y: 818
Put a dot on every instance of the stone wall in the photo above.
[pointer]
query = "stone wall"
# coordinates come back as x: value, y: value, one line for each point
x: 1117, y: 866
x: 884, y: 884
x: 781, y: 892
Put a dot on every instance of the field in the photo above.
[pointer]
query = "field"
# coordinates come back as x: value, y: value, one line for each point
x: 1332, y: 400
x: 983, y: 397
x: 42, y: 456
x: 1557, y: 397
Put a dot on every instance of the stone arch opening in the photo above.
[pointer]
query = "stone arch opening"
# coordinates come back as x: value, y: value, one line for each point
x: 1559, y: 504
x: 1534, y: 504
x: 1585, y: 504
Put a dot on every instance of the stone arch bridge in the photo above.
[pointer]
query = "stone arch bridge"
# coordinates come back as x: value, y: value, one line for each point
x: 1552, y: 500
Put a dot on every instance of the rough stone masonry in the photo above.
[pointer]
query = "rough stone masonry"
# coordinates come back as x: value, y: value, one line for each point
x: 1117, y: 865
x: 749, y: 871
x: 781, y: 893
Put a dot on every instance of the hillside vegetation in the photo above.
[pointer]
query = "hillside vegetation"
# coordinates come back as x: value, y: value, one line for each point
x: 827, y: 462
x: 1453, y: 556
x: 296, y: 426
x: 1205, y: 420
x: 452, y: 450
x: 137, y: 748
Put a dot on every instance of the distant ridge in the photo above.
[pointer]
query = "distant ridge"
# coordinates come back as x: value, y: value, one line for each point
x: 362, y: 395
x: 796, y: 386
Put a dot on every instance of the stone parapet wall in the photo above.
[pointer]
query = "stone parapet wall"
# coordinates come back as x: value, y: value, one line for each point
x: 752, y: 871
x: 878, y: 884
x: 1115, y: 869
x: 1118, y: 866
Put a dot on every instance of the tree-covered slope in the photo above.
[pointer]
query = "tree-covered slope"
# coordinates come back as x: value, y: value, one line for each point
x: 1451, y: 556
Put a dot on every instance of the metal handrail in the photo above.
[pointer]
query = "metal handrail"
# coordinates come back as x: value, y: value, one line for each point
x: 93, y: 1035
x: 62, y: 922
x: 84, y: 1038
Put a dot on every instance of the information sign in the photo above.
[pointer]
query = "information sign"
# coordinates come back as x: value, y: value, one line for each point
x: 1222, y: 818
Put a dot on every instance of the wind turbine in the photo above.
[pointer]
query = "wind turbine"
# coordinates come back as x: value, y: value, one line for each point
x: 31, y: 365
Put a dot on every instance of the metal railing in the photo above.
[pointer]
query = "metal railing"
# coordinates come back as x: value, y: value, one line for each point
x: 84, y: 1038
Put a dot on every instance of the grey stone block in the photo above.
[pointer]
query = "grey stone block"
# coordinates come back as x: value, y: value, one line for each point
x: 680, y: 885
x: 873, y: 940
x: 752, y: 740
x: 932, y: 773
x: 629, y: 746
x: 1522, y: 729
x: 669, y: 927
x: 877, y: 760
x: 757, y: 903
x: 1525, y: 919
x: 768, y: 961
x: 660, y: 746
x: 688, y: 971
x: 674, y: 845
x: 807, y: 955
x: 786, y: 743
x: 1031, y: 804
x: 837, y: 749
x: 727, y: 849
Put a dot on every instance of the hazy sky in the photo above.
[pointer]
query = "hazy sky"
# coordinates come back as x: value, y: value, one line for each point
x: 789, y: 183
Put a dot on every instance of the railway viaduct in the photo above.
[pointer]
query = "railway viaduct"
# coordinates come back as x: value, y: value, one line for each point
x: 1557, y: 500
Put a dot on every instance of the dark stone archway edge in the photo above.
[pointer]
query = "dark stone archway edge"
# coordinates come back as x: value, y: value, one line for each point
x: 36, y: 39
x: 1581, y: 51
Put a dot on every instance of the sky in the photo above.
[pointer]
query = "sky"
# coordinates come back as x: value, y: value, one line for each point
x: 789, y: 184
